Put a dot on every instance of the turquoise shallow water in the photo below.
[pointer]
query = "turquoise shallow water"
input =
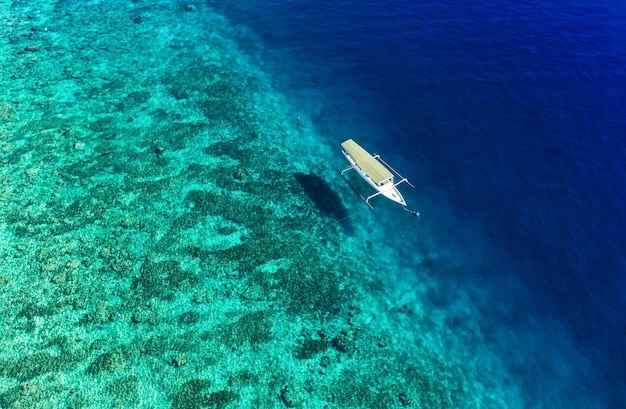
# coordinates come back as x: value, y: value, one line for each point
x: 157, y: 249
x: 170, y: 237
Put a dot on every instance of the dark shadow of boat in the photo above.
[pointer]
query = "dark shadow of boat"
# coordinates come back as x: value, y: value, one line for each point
x: 325, y: 199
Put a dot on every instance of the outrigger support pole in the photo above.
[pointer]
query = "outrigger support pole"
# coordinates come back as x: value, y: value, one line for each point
x: 354, y: 188
x: 371, y: 196
x: 377, y: 156
x: 345, y: 170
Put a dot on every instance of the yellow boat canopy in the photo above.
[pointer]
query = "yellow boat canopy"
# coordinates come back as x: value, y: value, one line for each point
x: 374, y: 169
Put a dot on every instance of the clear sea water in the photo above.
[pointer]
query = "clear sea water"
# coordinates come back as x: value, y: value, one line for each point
x: 513, y: 115
x: 149, y: 259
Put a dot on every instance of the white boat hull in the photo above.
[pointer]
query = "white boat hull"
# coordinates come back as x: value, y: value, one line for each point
x: 387, y: 188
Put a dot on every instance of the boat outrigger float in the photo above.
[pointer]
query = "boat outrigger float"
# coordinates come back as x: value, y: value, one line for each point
x: 375, y: 171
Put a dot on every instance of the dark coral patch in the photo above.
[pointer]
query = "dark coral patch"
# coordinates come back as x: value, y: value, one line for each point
x: 253, y: 328
x: 161, y: 279
x: 194, y: 394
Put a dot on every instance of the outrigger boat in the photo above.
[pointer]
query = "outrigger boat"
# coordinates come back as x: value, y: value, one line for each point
x: 375, y: 171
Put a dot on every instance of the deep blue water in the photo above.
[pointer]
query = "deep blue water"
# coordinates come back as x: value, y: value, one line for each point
x: 517, y: 110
